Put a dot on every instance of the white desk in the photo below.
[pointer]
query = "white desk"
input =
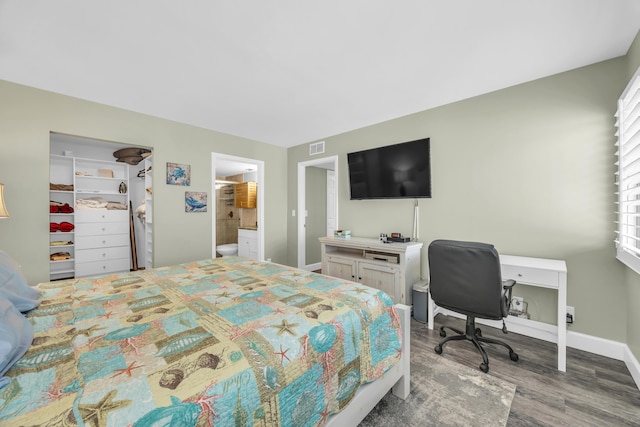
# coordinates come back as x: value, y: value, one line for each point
x: 544, y: 273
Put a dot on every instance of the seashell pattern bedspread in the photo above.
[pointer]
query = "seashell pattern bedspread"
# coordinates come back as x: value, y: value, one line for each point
x: 220, y: 342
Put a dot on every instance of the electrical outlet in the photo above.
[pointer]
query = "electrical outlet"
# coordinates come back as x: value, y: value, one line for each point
x: 517, y: 303
x: 571, y: 314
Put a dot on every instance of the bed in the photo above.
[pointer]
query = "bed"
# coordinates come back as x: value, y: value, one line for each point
x: 225, y: 341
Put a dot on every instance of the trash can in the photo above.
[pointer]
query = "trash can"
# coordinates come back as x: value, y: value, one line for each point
x: 420, y: 299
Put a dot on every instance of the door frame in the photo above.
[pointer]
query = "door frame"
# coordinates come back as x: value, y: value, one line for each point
x: 259, y: 201
x: 302, y: 194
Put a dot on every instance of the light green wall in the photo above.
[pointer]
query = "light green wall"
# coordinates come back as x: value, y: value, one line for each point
x: 633, y: 278
x: 528, y: 168
x: 316, y: 204
x: 28, y: 115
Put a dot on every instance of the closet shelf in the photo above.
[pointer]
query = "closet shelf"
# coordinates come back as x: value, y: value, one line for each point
x: 102, y: 178
x: 62, y: 261
x: 98, y: 192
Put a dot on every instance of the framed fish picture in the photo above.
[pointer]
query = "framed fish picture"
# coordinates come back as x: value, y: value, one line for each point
x: 195, y: 201
x: 178, y: 174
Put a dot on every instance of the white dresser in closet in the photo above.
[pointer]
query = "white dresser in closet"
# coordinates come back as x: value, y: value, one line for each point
x: 102, y: 235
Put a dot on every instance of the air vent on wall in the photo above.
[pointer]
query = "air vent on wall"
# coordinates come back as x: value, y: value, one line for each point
x: 316, y: 148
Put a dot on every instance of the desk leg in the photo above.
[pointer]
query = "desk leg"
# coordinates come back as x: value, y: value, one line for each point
x: 562, y: 323
x: 430, y: 308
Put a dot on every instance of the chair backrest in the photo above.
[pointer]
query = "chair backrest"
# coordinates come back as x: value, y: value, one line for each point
x: 465, y: 277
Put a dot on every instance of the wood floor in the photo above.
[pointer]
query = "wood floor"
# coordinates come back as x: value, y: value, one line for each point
x: 595, y: 390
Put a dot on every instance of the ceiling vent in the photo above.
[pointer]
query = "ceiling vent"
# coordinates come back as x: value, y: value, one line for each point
x: 316, y: 148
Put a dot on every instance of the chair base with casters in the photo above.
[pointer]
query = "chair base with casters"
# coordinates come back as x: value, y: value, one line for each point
x: 474, y: 335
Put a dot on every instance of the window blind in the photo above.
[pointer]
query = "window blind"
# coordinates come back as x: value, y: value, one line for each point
x: 628, y: 175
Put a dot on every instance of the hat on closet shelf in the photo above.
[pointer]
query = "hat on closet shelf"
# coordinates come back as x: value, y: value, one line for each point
x: 131, y: 155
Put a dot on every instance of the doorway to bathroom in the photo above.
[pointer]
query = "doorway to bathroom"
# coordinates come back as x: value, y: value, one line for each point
x: 238, y: 206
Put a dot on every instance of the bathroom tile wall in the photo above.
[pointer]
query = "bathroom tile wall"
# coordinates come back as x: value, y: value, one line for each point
x: 227, y: 216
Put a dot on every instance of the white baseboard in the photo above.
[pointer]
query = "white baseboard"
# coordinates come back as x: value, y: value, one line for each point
x: 632, y: 365
x: 601, y: 346
x: 607, y: 348
x: 313, y: 267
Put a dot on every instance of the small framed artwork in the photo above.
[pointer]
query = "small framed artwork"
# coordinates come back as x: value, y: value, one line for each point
x: 195, y: 201
x: 178, y: 174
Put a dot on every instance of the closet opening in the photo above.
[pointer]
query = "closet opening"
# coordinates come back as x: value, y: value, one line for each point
x: 100, y: 206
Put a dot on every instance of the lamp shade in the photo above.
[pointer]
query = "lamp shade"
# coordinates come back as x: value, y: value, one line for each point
x: 3, y: 208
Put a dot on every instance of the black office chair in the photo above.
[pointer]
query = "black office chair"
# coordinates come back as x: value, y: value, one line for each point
x: 465, y: 277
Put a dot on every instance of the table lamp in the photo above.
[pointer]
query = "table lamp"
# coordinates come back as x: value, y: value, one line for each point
x: 3, y: 210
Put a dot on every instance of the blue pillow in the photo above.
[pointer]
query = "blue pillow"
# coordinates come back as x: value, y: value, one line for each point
x: 14, y: 287
x: 16, y: 335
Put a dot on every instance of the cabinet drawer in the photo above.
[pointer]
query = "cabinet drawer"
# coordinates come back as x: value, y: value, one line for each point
x: 87, y: 215
x: 101, y: 228
x: 88, y: 255
x: 249, y: 234
x: 106, y: 241
x: 544, y: 278
x: 84, y: 269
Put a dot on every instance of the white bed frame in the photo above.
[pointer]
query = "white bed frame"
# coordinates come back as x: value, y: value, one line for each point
x: 397, y: 379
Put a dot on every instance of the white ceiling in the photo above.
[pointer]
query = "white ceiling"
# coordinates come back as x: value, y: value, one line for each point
x: 289, y: 72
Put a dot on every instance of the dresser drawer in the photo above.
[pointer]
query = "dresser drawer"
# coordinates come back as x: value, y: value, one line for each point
x: 101, y: 228
x: 545, y: 278
x: 84, y: 269
x: 106, y: 241
x: 99, y: 215
x: 89, y: 255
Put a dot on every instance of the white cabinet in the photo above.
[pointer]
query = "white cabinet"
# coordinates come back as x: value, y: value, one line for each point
x: 102, y: 242
x: 391, y: 267
x: 387, y: 278
x: 340, y: 267
x: 98, y: 241
x: 248, y: 243
x: 379, y: 275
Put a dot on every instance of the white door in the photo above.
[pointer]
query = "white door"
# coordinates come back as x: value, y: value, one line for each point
x: 331, y: 202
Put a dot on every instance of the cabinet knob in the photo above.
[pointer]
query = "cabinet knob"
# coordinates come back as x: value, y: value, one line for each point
x: 104, y: 255
x: 519, y: 274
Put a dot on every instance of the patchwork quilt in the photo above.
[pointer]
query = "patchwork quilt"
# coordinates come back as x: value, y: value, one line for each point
x: 219, y: 342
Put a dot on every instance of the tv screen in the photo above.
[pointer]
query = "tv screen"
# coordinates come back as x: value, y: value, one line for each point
x: 392, y: 172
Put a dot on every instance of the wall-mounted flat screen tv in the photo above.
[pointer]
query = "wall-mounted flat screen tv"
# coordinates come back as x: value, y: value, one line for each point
x: 392, y: 172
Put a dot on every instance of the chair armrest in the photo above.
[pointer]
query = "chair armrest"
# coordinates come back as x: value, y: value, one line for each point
x: 507, y: 286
